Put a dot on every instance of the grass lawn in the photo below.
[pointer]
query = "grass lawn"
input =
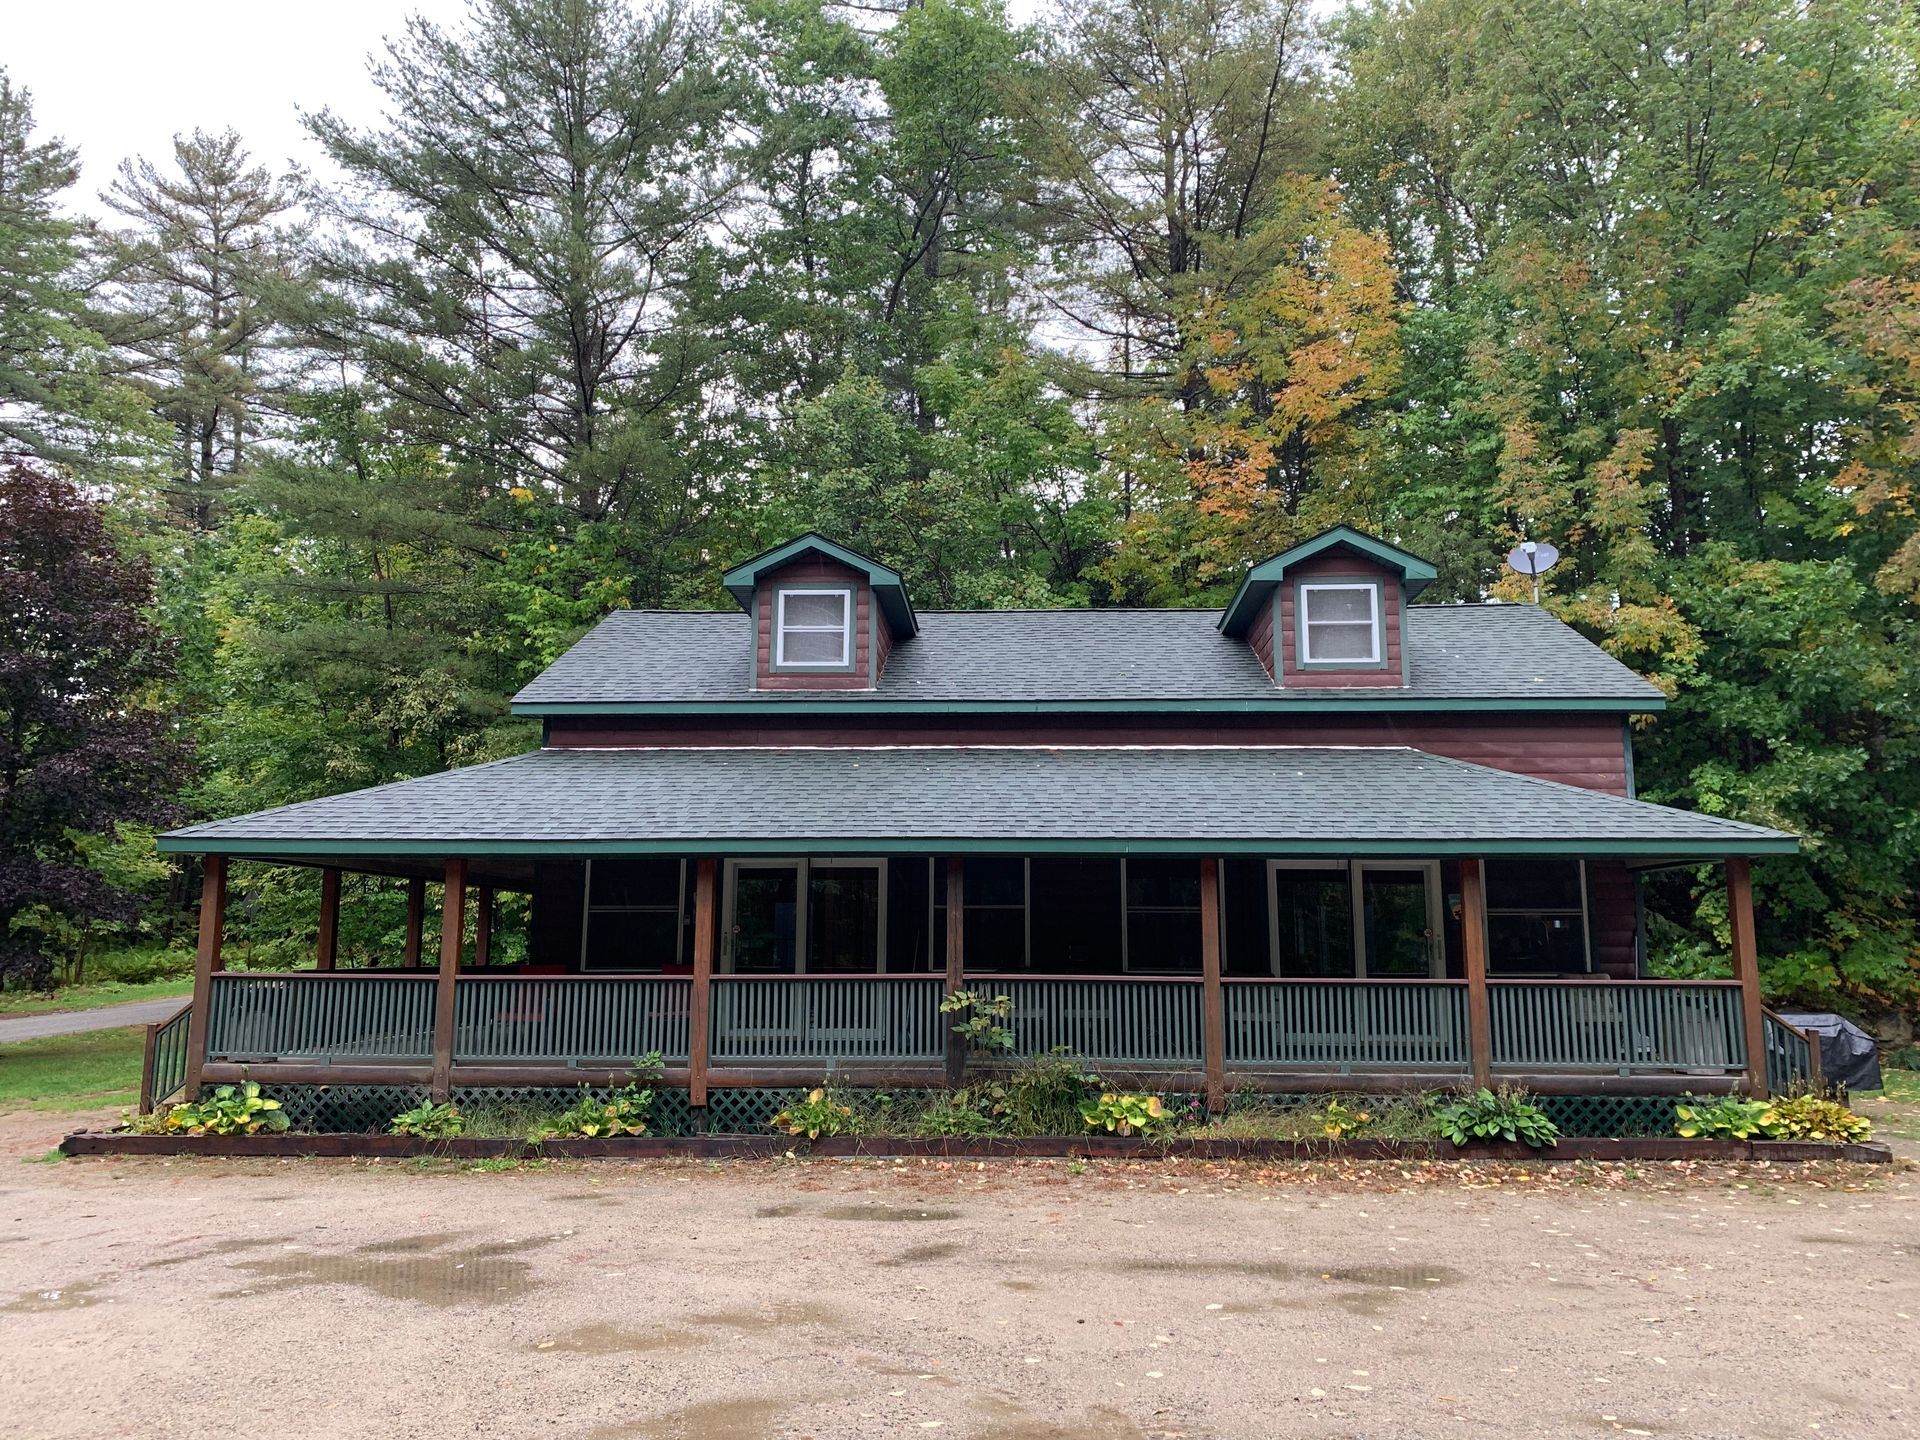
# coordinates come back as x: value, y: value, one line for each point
x: 92, y: 997
x: 1894, y: 1111
x: 72, y: 1072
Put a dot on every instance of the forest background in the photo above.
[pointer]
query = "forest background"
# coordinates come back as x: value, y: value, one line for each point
x: 1095, y: 310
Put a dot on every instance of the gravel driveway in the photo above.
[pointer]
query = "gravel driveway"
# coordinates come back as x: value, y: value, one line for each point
x: 338, y: 1300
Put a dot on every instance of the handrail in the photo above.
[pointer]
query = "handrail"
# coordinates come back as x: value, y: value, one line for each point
x: 163, y: 1062
x: 1377, y: 981
x: 1796, y: 1058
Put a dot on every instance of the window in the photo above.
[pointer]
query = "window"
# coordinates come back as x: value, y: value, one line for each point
x: 1340, y: 624
x: 633, y: 914
x: 1163, y: 917
x: 995, y: 889
x: 1536, y: 917
x: 812, y: 629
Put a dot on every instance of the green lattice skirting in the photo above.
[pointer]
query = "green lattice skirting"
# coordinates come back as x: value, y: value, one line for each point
x: 361, y: 1108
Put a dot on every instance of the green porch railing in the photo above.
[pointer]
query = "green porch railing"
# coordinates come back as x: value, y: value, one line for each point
x: 826, y: 1018
x: 1132, y: 1020
x: 333, y: 1016
x: 570, y: 1017
x: 1792, y: 1055
x: 1626, y: 1026
x: 163, y: 1074
x: 1344, y: 1025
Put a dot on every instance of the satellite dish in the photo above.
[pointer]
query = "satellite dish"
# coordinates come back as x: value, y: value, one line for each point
x: 1533, y: 558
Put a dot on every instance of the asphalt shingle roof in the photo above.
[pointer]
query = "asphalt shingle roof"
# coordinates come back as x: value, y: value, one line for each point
x: 1455, y: 652
x: 1170, y: 799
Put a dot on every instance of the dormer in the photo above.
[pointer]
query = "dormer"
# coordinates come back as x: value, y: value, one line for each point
x: 1326, y: 614
x: 825, y: 617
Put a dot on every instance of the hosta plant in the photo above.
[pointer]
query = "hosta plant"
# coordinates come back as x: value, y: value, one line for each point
x: 1729, y: 1117
x: 428, y: 1121
x: 819, y: 1114
x: 1505, y: 1114
x: 624, y: 1112
x: 1118, y: 1113
x: 1339, y: 1120
x: 1812, y: 1117
x: 230, y: 1110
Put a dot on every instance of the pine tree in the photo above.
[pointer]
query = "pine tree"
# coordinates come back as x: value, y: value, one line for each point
x: 190, y: 279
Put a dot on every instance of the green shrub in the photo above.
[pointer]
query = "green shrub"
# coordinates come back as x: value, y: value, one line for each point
x: 987, y: 1026
x: 624, y: 1112
x: 1728, y: 1117
x: 819, y: 1114
x: 961, y: 1113
x: 1813, y: 1117
x: 1045, y: 1095
x: 1119, y: 1113
x: 1507, y: 1114
x: 230, y: 1110
x: 428, y: 1121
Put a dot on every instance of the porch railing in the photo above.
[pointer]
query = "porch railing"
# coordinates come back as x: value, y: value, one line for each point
x: 1132, y: 1020
x: 1344, y: 1025
x: 1630, y: 1026
x: 164, y: 1070
x: 759, y: 1018
x: 562, y: 1018
x: 1793, y: 1056
x: 336, y: 1017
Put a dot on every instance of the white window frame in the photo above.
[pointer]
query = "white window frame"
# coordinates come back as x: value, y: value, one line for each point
x: 844, y: 629
x: 1307, y: 590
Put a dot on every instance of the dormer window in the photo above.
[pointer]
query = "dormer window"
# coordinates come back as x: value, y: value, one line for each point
x: 813, y: 629
x: 1339, y: 623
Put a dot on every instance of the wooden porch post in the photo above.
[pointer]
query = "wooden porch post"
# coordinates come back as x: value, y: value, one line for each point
x: 700, y: 1009
x: 206, y: 960
x: 453, y: 926
x: 482, y: 926
x: 956, y: 965
x: 327, y: 950
x: 1213, y: 1000
x: 416, y: 916
x: 1473, y: 937
x: 1746, y: 969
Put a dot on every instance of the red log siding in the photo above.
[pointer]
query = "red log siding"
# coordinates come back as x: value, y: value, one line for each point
x: 1260, y: 637
x: 1343, y: 565
x: 812, y: 570
x: 1588, y: 751
x: 882, y: 645
x: 1613, y: 920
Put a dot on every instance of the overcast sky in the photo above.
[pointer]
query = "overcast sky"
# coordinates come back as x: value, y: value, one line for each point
x: 122, y: 77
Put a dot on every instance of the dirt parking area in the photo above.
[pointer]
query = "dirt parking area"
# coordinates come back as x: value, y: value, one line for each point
x: 1077, y: 1302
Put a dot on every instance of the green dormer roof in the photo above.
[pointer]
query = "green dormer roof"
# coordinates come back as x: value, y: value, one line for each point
x: 889, y: 590
x: 1258, y: 587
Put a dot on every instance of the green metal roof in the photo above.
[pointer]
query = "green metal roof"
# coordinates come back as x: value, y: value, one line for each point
x: 1262, y: 579
x: 1168, y: 800
x: 889, y: 590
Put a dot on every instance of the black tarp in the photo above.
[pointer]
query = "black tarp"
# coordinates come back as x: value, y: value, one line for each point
x: 1848, y: 1055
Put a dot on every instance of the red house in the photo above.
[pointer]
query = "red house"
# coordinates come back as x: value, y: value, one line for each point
x: 1326, y: 838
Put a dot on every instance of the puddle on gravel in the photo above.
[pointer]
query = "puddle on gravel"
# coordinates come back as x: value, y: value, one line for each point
x: 399, y: 1270
x: 773, y: 1317
x: 77, y: 1296
x: 409, y: 1244
x: 920, y: 1255
x: 236, y: 1246
x: 743, y: 1419
x: 589, y: 1197
x: 1357, y: 1289
x: 612, y: 1340
x: 1013, y: 1422
x: 1021, y: 1284
x: 887, y: 1213
x: 1827, y: 1240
